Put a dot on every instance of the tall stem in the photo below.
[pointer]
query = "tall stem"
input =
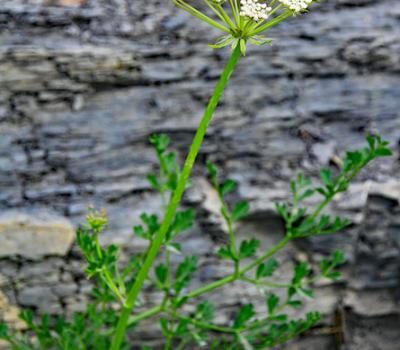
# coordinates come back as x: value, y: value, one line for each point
x: 174, y: 202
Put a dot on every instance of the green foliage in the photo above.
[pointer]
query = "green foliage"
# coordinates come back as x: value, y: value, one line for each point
x: 169, y: 169
x: 184, y: 273
x: 249, y: 329
x: 205, y: 311
x: 328, y: 266
x: 266, y: 269
x: 248, y: 248
x: 240, y: 211
x: 301, y: 224
x: 84, y: 331
x: 245, y: 314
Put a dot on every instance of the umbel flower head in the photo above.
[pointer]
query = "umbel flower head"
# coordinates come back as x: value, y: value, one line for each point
x: 244, y: 20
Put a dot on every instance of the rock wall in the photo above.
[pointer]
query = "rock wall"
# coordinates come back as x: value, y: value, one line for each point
x: 84, y: 83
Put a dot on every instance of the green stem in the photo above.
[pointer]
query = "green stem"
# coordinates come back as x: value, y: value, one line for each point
x: 174, y: 202
x: 206, y: 325
x: 227, y: 217
x: 110, y: 282
x: 265, y: 283
x: 219, y: 283
x: 241, y: 272
x: 146, y: 314
x: 271, y: 23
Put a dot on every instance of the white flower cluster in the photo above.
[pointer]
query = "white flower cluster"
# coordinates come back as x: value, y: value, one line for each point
x: 296, y: 5
x: 254, y: 9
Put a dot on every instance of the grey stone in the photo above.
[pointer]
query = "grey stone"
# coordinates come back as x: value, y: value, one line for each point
x: 38, y: 296
x: 63, y: 290
x: 34, y: 234
x: 370, y: 303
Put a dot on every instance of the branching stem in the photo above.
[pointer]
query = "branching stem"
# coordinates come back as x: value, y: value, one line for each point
x: 174, y: 202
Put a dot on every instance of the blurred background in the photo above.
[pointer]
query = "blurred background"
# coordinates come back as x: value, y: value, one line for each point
x: 83, y: 83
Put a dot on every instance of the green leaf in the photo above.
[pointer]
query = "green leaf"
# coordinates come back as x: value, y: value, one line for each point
x: 339, y: 224
x: 160, y: 142
x: 279, y: 318
x: 245, y: 314
x: 151, y: 221
x: 184, y: 273
x: 228, y: 186
x: 205, y: 311
x: 182, y: 328
x: 272, y: 303
x: 164, y: 327
x: 184, y: 220
x: 248, y: 248
x: 371, y: 141
x: 267, y: 269
x: 27, y: 317
x: 139, y: 231
x: 153, y: 181
x: 213, y: 173
x: 306, y: 194
x: 282, y: 210
x: 305, y: 293
x: 260, y: 40
x: 240, y: 210
x: 322, y: 191
x: 354, y: 157
x: 226, y: 253
x: 235, y: 43
x: 334, y: 275
x: 222, y: 42
x: 301, y: 271
x: 242, y: 43
x: 3, y: 331
x: 338, y: 257
x: 384, y: 152
x: 306, y: 226
x: 179, y: 302
x: 302, y: 181
x: 174, y: 248
x: 161, y: 273
x: 172, y: 165
x: 295, y: 304
x: 326, y: 177
x: 324, y: 222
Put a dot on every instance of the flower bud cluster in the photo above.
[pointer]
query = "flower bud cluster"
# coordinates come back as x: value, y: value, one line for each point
x: 254, y: 9
x: 296, y: 5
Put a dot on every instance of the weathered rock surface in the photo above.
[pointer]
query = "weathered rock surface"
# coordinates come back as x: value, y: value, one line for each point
x: 34, y: 235
x: 84, y: 83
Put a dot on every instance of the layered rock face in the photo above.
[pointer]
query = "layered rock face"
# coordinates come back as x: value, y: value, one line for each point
x: 84, y: 83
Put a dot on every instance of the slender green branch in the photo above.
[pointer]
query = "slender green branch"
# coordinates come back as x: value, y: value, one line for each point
x: 229, y: 223
x: 206, y: 325
x: 226, y: 17
x: 271, y: 23
x: 146, y: 314
x: 109, y: 281
x: 265, y: 256
x: 233, y: 277
x: 221, y: 282
x: 264, y: 283
x: 200, y: 15
x: 174, y: 202
x: 240, y: 275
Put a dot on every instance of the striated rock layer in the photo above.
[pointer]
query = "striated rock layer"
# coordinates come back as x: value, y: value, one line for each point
x: 84, y: 83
